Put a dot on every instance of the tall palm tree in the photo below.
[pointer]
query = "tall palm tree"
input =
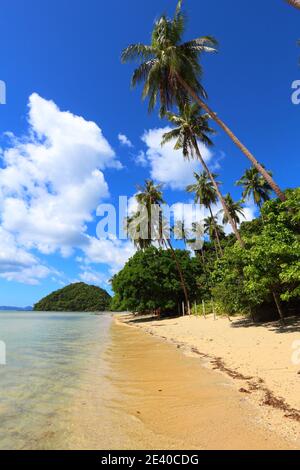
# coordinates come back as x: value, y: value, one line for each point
x: 170, y: 71
x: 255, y: 187
x: 192, y: 126
x: 235, y: 209
x: 294, y: 3
x: 206, y: 194
x: 133, y: 227
x: 149, y: 197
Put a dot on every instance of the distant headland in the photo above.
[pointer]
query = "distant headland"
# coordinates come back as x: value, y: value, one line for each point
x: 78, y: 297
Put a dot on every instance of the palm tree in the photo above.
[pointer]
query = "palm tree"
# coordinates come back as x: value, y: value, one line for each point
x: 150, y: 198
x: 255, y: 186
x: 235, y: 209
x: 192, y: 126
x: 133, y: 227
x: 170, y: 71
x: 294, y: 3
x: 206, y: 194
x: 214, y: 230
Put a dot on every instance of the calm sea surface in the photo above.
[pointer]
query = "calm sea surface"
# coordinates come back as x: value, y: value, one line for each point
x: 48, y: 356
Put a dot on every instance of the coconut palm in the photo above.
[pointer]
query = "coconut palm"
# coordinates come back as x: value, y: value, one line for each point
x: 235, y: 209
x: 192, y: 126
x: 171, y: 72
x: 148, y: 197
x: 294, y: 3
x: 255, y: 187
x: 133, y: 227
x: 206, y: 194
x: 214, y: 230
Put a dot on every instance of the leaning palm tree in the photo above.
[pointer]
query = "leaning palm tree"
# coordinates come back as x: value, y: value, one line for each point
x: 171, y: 72
x: 192, y: 126
x: 206, y: 194
x: 255, y: 187
x: 235, y: 209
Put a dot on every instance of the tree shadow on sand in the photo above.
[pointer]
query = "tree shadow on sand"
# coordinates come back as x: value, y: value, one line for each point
x: 292, y: 325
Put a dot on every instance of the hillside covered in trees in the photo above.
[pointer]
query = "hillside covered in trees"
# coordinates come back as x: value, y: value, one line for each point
x: 78, y: 297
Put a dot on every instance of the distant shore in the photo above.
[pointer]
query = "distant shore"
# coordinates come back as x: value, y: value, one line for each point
x: 259, y: 362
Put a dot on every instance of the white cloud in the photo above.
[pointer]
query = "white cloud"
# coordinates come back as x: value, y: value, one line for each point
x: 141, y: 159
x: 124, y: 140
x: 90, y: 276
x: 17, y: 264
x: 168, y: 165
x: 52, y: 181
x: 114, y: 253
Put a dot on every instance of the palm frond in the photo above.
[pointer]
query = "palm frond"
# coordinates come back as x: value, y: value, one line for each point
x: 136, y: 51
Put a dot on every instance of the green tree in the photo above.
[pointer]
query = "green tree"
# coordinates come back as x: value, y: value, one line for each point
x: 268, y: 270
x: 206, y: 194
x: 235, y: 210
x: 149, y: 281
x: 255, y: 187
x: 171, y: 72
x: 150, y: 199
x: 215, y: 231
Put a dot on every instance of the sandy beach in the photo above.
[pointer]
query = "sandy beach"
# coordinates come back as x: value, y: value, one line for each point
x: 257, y: 365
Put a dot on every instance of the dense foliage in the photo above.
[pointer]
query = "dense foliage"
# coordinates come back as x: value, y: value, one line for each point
x: 78, y: 297
x: 244, y: 280
x: 254, y: 270
x: 150, y: 281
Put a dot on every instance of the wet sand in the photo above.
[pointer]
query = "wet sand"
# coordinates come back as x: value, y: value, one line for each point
x: 155, y: 397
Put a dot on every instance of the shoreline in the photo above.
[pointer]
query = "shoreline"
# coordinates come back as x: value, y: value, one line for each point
x: 256, y: 359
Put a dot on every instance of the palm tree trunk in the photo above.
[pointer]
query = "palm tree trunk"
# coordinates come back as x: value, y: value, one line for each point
x: 238, y: 143
x: 216, y: 231
x: 294, y: 3
x: 182, y: 280
x: 220, y: 196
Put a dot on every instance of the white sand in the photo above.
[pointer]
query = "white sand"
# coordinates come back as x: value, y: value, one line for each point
x: 267, y: 356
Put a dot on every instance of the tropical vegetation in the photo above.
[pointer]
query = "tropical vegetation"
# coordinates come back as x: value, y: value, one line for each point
x: 250, y: 268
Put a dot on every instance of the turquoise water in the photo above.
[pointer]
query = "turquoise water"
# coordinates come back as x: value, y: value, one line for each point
x: 47, y: 357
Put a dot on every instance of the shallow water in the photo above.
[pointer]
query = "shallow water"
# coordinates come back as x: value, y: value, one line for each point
x: 81, y: 381
x: 47, y: 356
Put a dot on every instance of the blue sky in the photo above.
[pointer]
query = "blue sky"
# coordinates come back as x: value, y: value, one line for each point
x: 68, y: 53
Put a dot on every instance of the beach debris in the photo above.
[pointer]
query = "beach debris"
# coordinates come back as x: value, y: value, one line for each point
x: 244, y: 390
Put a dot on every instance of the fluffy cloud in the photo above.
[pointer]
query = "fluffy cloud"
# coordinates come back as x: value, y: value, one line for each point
x: 141, y: 159
x: 90, y: 276
x: 111, y: 252
x: 167, y: 165
x: 50, y: 184
x: 123, y: 139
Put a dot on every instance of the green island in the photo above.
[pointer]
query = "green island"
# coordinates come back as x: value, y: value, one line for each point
x: 78, y: 297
